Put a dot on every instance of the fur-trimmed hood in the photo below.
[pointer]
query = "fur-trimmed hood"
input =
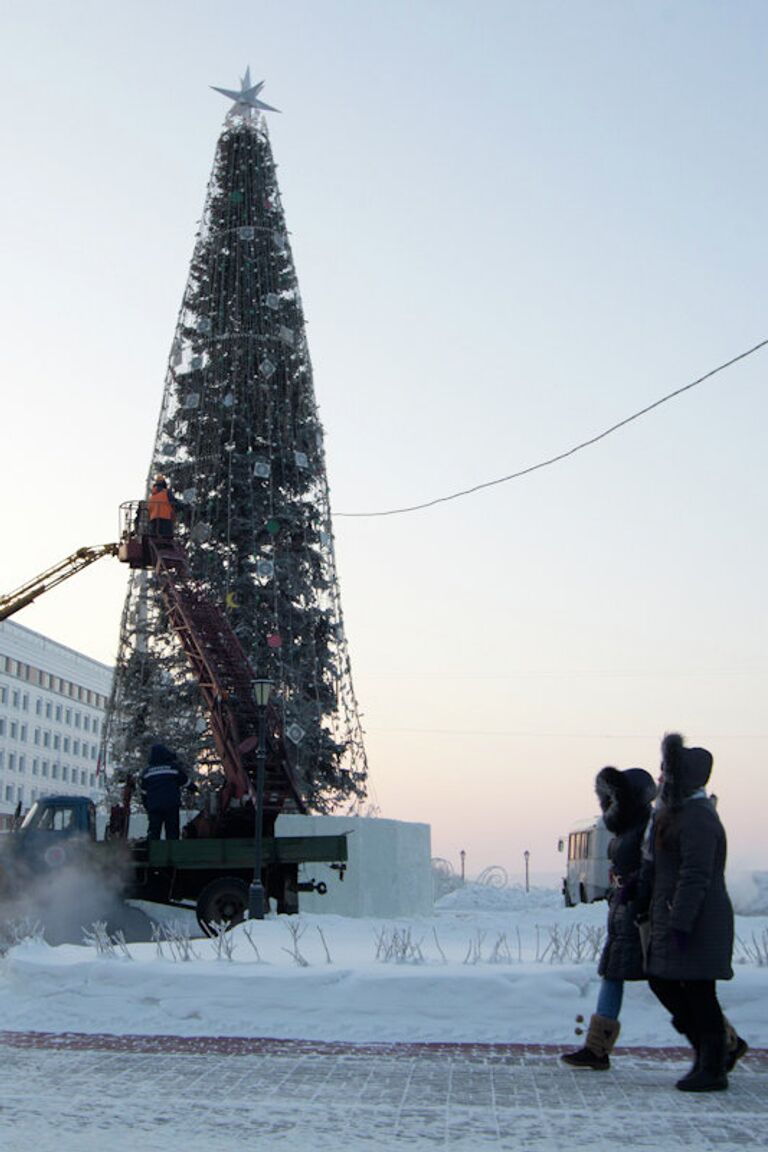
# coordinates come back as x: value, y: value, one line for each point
x: 625, y: 797
x: 685, y: 770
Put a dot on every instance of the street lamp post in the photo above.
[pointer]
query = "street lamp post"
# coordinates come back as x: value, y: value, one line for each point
x: 256, y: 898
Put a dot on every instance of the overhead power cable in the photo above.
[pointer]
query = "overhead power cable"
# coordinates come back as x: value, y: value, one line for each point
x: 571, y: 451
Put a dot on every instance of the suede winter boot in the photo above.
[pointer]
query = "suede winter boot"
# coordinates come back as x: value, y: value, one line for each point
x: 601, y: 1037
x: 710, y: 1076
x: 735, y: 1046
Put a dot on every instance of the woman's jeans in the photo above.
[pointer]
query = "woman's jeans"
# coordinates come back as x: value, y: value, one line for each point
x: 609, y: 998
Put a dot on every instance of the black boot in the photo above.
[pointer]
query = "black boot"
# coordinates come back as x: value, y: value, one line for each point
x: 710, y: 1076
x: 695, y: 1067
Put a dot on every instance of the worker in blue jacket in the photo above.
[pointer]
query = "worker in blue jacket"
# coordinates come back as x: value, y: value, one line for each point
x: 161, y: 784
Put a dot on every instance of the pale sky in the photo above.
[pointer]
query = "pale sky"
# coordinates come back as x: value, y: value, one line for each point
x: 514, y: 224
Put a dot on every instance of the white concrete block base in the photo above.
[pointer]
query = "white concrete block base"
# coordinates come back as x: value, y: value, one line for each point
x: 388, y: 872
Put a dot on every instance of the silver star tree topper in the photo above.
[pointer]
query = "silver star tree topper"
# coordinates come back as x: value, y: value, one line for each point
x: 246, y: 100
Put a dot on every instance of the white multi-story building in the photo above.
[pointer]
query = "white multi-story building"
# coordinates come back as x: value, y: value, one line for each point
x: 52, y: 702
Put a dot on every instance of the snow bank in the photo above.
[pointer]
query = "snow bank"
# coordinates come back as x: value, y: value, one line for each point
x: 486, y: 898
x: 482, y: 968
x: 749, y: 893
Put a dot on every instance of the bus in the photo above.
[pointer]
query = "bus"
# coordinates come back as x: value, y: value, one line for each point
x: 587, y: 867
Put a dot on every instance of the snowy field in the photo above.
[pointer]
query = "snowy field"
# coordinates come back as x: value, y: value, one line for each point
x: 491, y: 965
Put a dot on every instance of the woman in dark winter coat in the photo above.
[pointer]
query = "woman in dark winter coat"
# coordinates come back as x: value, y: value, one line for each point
x: 691, y: 917
x: 625, y: 799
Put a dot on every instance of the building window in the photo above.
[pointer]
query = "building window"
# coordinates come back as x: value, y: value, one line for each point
x: 2, y: 727
x: 15, y: 698
x: 44, y: 767
x: 56, y: 741
x: 68, y: 716
x: 22, y: 763
x: 78, y: 719
x: 65, y: 772
x: 86, y: 723
x: 11, y: 761
x: 25, y: 702
x: 23, y: 733
x: 92, y: 780
x: 95, y: 727
x: 3, y: 695
x: 75, y: 747
x: 83, y: 777
x: 39, y: 706
x: 46, y: 739
x: 58, y: 712
x: 55, y: 771
x: 14, y: 733
x: 35, y: 766
x: 9, y: 793
x: 48, y: 709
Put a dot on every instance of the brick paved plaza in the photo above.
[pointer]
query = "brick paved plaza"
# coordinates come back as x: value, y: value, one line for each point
x: 109, y: 1092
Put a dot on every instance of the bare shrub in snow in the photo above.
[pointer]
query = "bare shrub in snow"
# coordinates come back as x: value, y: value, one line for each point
x: 501, y: 952
x: 574, y: 945
x: 249, y: 937
x: 174, y: 936
x: 752, y: 951
x: 475, y: 949
x: 159, y: 938
x: 223, y: 942
x: 110, y: 946
x: 397, y: 946
x: 437, y: 945
x: 325, y: 946
x: 14, y: 932
x: 296, y: 930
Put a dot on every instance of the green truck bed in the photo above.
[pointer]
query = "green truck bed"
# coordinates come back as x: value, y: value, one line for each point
x: 205, y: 854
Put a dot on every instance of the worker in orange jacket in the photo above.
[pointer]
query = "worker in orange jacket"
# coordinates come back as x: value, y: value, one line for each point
x: 161, y: 508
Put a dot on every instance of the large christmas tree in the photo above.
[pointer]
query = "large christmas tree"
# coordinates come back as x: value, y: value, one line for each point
x: 240, y: 441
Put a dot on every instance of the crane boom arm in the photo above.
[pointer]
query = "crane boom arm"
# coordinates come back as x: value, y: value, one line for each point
x: 224, y: 677
x: 57, y: 574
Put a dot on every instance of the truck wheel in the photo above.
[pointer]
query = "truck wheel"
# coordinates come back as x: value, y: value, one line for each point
x: 223, y: 901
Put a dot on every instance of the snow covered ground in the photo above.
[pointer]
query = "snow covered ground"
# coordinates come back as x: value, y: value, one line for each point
x: 491, y: 965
